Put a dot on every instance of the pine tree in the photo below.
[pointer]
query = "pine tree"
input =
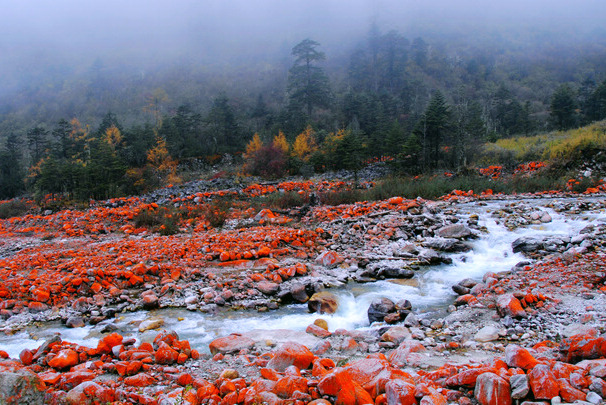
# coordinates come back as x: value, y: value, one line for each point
x: 563, y: 108
x: 308, y: 85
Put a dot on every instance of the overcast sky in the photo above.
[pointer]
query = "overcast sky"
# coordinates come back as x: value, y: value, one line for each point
x: 154, y: 29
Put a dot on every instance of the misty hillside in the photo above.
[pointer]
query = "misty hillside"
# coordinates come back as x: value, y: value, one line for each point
x: 204, y: 77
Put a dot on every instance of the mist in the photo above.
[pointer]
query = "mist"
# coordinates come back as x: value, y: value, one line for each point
x: 225, y: 32
x: 49, y: 48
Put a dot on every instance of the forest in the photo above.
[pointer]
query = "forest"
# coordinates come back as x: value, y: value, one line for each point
x: 423, y: 103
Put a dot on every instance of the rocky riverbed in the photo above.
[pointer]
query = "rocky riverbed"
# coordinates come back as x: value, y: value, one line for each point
x: 531, y: 332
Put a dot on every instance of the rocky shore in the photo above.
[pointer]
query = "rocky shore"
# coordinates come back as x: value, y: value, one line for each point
x: 533, y: 334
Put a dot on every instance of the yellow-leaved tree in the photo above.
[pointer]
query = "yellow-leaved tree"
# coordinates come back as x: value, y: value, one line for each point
x: 113, y: 137
x: 159, y: 160
x: 281, y: 143
x: 253, y: 146
x: 305, y: 144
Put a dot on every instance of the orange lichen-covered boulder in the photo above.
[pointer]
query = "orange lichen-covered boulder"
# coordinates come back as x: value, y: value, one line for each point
x: 516, y: 356
x: 400, y: 392
x: 291, y: 354
x: 583, y: 346
x: 140, y: 380
x: 468, y: 378
x: 166, y: 354
x: 340, y: 384
x: 21, y: 387
x: 543, y: 382
x: 106, y: 344
x: 569, y: 393
x: 492, y: 390
x: 91, y: 393
x: 406, y: 353
x: 286, y: 386
x: 230, y: 344
x: 507, y: 304
x: 64, y: 359
x: 329, y: 259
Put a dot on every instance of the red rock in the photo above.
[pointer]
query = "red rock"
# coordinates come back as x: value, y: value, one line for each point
x: 563, y: 370
x: 140, y: 380
x: 289, y: 354
x: 204, y: 389
x: 36, y: 306
x: 583, y: 346
x: 340, y: 384
x: 50, y: 377
x: 169, y: 337
x: 516, y: 356
x: 406, y: 353
x: 26, y: 356
x: 317, y: 331
x: 230, y: 344
x: 91, y: 393
x: 125, y: 368
x: 366, y: 373
x: 329, y: 259
x: 491, y: 389
x: 74, y: 378
x: 319, y: 401
x: 287, y: 385
x: 64, y: 359
x: 543, y: 382
x: 400, y: 392
x: 568, y: 393
x: 507, y: 304
x: 166, y: 354
x: 433, y: 398
x: 226, y: 387
x: 267, y: 287
x: 468, y: 378
x: 270, y: 374
x: 106, y: 344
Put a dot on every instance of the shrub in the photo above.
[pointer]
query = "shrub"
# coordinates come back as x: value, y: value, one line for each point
x: 13, y: 208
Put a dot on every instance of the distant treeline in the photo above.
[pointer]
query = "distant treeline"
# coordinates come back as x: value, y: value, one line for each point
x: 424, y: 105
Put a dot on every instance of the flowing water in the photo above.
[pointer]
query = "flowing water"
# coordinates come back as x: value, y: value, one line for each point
x: 430, y: 292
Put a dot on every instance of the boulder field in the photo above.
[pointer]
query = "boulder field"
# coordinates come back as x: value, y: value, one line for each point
x: 532, y: 335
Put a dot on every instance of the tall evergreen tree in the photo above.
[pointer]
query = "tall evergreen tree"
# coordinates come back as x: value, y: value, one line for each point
x: 11, y: 171
x: 563, y: 108
x: 37, y: 141
x: 308, y: 85
x: 223, y: 128
x: 596, y: 104
x: 434, y: 125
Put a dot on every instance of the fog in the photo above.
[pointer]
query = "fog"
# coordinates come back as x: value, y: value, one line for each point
x: 83, y: 58
x: 225, y: 32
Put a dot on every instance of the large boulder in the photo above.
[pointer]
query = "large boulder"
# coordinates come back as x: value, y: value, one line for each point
x: 329, y: 259
x: 379, y: 308
x: 507, y: 304
x: 323, y: 302
x: 230, y: 344
x: 395, y: 272
x: 291, y: 354
x: 526, y: 244
x: 492, y: 390
x: 21, y: 387
x: 456, y: 231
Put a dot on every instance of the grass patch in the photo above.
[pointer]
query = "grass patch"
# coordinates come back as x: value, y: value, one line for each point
x: 161, y: 220
x: 289, y: 199
x: 342, y: 197
x: 13, y: 208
